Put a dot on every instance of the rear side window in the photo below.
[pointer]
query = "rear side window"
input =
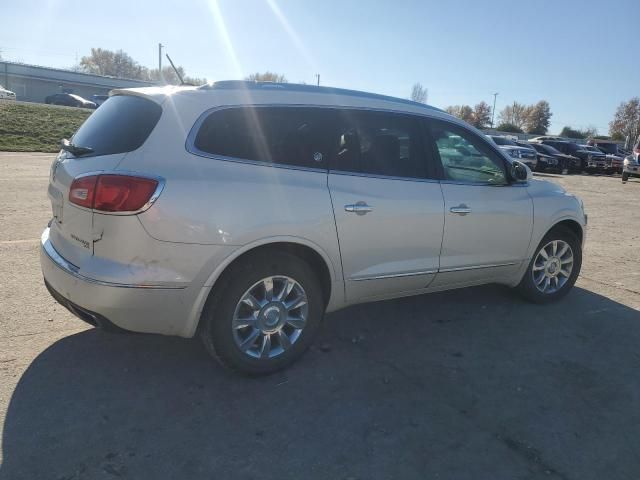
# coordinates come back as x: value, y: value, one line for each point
x: 380, y: 143
x: 297, y: 136
x: 121, y: 124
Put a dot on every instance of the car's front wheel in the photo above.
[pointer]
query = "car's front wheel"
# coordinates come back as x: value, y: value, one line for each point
x: 264, y: 313
x: 554, y: 268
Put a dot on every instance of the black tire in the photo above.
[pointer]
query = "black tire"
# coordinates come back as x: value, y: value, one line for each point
x: 216, y: 329
x: 527, y: 287
x: 625, y: 176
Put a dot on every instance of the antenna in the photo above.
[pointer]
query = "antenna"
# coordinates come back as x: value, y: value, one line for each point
x: 175, y: 69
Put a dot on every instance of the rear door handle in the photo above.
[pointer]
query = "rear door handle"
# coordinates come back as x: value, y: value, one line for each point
x: 359, y: 208
x: 461, y: 209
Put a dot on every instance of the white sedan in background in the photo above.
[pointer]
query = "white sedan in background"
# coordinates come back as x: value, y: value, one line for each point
x: 6, y: 94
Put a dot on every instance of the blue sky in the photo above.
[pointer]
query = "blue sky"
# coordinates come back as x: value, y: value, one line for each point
x: 581, y: 56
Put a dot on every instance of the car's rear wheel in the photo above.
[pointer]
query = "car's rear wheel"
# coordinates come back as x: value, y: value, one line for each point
x: 554, y: 268
x: 264, y: 314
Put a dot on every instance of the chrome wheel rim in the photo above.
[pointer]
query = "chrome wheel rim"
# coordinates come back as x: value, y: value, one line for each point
x: 270, y: 317
x: 552, y: 266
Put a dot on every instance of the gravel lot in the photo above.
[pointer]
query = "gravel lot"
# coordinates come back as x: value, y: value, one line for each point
x: 470, y: 384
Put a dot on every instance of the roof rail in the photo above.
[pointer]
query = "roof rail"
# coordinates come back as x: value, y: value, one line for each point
x: 297, y: 87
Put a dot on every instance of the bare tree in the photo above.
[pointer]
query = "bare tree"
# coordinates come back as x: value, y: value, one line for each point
x: 515, y: 114
x: 419, y: 93
x: 170, y: 77
x: 464, y: 112
x: 120, y: 64
x: 267, y: 77
x: 626, y: 122
x: 114, y: 64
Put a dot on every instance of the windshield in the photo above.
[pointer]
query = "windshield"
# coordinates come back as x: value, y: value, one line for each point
x: 608, y: 147
x: 503, y: 141
x: 550, y: 150
x: 121, y: 124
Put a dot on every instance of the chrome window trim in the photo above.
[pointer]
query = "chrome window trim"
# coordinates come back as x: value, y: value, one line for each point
x: 159, y: 189
x: 383, y: 177
x: 395, y: 275
x: 432, y: 272
x: 68, y: 267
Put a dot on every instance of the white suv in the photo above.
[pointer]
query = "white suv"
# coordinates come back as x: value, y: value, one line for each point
x: 242, y: 212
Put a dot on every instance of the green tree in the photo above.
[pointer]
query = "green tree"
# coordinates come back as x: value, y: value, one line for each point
x: 266, y: 77
x: 626, y: 121
x: 509, y: 127
x: 569, y: 132
x: 418, y: 93
x: 538, y: 118
x: 481, y: 117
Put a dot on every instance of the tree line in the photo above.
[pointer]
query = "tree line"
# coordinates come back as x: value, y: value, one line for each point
x: 120, y: 64
x: 515, y: 118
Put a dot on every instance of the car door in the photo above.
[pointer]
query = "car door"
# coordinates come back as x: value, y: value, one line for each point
x: 389, y: 215
x: 488, y: 219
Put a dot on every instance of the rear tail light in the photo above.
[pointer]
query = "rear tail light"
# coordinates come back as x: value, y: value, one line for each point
x: 112, y: 193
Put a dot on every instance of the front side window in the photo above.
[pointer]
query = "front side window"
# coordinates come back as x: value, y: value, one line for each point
x: 379, y: 143
x: 466, y: 157
x: 296, y: 136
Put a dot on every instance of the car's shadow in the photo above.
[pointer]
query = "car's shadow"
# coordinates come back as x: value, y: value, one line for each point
x: 465, y: 384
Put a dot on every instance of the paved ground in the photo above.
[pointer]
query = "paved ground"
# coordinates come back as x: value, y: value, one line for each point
x: 460, y: 385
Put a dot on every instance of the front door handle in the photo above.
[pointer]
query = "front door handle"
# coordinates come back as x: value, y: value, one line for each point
x: 359, y: 208
x: 461, y: 209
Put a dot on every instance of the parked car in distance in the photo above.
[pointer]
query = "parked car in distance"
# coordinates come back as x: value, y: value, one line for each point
x: 99, y: 99
x: 631, y: 166
x: 615, y: 154
x: 590, y: 161
x: 6, y: 94
x: 242, y: 213
x: 547, y: 137
x: 544, y: 161
x: 597, y: 160
x: 565, y: 163
x: 526, y: 155
x: 609, y: 147
x: 69, y: 100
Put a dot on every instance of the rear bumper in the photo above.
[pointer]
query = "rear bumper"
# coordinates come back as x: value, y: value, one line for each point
x: 138, y: 308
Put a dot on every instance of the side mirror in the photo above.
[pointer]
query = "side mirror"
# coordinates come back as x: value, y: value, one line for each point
x: 520, y: 173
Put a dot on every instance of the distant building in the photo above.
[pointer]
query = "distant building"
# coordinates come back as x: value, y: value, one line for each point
x: 32, y: 83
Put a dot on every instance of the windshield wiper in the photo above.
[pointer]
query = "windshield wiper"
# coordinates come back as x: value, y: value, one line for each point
x: 76, y: 150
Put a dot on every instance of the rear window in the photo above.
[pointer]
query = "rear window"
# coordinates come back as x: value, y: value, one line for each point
x: 121, y: 124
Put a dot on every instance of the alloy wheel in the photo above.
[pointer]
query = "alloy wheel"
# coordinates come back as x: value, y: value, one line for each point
x: 552, y: 266
x: 270, y: 317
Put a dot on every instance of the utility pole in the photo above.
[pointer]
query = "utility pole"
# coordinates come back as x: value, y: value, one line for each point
x: 493, y: 110
x: 317, y: 75
x: 160, y: 57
